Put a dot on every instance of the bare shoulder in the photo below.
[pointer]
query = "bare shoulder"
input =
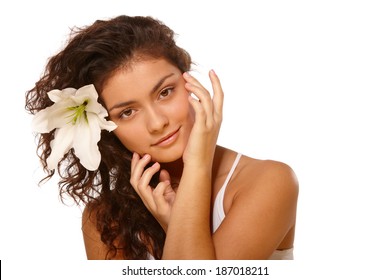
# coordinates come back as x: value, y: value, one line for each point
x: 268, y: 173
x: 268, y: 182
x: 261, y: 200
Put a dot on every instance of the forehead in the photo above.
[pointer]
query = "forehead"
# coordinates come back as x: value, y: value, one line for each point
x: 136, y: 80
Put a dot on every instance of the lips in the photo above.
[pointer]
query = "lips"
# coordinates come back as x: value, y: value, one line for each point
x: 168, y: 139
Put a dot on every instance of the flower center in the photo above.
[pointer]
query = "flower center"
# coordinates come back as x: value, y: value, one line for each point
x: 79, y: 112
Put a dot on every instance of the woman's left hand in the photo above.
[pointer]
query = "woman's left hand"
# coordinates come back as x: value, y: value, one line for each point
x: 208, y: 118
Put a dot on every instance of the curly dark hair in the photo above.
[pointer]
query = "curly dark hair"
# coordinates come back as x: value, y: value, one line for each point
x: 91, y: 55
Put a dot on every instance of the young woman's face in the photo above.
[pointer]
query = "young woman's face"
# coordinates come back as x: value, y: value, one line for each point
x: 149, y: 104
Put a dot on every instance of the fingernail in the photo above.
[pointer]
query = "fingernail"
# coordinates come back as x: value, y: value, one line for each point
x: 186, y: 74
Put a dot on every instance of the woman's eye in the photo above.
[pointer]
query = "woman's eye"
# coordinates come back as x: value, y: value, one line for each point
x: 126, y: 113
x: 165, y: 92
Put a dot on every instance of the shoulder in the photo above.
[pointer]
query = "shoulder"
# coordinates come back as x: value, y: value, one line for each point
x: 270, y: 188
x: 266, y: 180
x: 261, y: 200
x: 267, y: 172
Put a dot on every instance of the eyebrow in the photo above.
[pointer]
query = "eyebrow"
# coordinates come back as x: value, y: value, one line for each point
x: 154, y: 89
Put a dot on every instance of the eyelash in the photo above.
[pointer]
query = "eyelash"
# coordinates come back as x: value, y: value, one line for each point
x: 122, y: 115
x: 168, y: 91
x: 164, y: 91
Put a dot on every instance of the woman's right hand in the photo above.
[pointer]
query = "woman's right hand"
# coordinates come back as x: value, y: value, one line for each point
x: 157, y: 200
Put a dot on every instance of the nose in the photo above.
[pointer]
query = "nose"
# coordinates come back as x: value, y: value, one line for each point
x: 157, y: 120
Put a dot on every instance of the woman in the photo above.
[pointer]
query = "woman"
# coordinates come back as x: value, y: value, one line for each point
x: 157, y: 186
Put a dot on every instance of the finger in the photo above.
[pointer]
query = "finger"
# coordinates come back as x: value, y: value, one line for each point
x: 203, y: 96
x: 138, y: 169
x: 200, y: 114
x: 200, y: 92
x: 218, y: 94
x: 135, y: 158
x: 191, y: 79
x: 164, y: 176
x: 144, y: 189
x: 144, y: 181
x: 161, y: 203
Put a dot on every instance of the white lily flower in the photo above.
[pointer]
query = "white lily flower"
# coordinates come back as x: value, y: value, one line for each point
x: 78, y: 119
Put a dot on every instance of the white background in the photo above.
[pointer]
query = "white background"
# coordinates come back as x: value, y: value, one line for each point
x: 306, y: 83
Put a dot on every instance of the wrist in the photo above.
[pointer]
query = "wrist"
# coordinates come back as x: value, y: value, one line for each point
x: 200, y: 168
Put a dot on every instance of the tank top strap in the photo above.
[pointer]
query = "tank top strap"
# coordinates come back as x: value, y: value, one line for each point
x: 218, y: 211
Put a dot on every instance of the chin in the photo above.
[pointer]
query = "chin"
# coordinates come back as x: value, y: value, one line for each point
x: 168, y: 155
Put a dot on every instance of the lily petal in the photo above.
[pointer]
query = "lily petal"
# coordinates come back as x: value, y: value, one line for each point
x: 87, y: 135
x: 52, y: 117
x: 103, y: 123
x: 57, y: 95
x: 60, y: 145
x: 87, y: 92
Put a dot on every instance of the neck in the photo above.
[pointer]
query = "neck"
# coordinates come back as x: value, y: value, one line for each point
x: 175, y: 169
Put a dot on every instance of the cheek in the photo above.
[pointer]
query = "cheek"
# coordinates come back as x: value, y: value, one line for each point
x: 126, y: 134
x: 181, y: 107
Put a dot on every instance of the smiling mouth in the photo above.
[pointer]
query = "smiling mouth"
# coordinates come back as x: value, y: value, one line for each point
x: 168, y: 139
